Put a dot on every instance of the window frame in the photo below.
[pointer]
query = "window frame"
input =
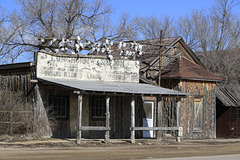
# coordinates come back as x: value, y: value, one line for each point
x: 152, y: 111
x: 100, y: 109
x: 196, y: 98
x: 66, y: 107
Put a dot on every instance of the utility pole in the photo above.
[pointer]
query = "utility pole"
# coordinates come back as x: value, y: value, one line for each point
x: 160, y: 58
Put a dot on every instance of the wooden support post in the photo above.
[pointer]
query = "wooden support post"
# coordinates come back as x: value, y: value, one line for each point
x: 159, y: 118
x: 79, y: 121
x: 178, y: 138
x: 132, y: 120
x: 11, y: 122
x: 107, y: 134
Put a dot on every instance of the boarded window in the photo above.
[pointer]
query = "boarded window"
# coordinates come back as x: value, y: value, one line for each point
x: 58, y: 106
x: 98, y: 105
x: 198, y: 107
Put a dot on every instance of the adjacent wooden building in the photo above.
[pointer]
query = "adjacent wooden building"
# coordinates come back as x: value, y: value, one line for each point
x: 181, y: 70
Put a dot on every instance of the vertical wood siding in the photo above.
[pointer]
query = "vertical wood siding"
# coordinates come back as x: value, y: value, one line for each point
x: 206, y: 90
x: 16, y: 81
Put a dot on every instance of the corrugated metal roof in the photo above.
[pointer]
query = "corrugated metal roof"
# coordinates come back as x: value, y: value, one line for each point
x: 113, y: 87
x: 229, y: 96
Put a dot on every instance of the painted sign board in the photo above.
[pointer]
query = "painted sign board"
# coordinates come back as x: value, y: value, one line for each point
x: 180, y: 131
x: 83, y: 67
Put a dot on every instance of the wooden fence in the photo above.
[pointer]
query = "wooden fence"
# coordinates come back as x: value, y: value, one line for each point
x: 11, y: 120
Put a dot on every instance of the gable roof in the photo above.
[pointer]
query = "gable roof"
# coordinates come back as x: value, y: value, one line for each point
x: 183, y: 68
x: 151, y: 50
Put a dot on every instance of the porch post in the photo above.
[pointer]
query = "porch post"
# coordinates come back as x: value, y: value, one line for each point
x: 159, y: 118
x: 132, y: 120
x: 107, y: 134
x: 79, y: 120
x: 178, y: 138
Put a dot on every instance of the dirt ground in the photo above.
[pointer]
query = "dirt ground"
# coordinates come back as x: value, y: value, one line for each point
x: 116, y: 149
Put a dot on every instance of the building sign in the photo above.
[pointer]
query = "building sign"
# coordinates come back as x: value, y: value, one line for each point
x: 83, y: 67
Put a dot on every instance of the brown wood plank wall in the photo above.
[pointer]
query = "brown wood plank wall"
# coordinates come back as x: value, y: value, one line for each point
x: 206, y: 90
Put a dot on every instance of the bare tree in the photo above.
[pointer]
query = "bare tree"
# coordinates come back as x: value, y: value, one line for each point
x: 185, y: 28
x: 221, y: 18
x: 48, y: 19
x: 150, y: 27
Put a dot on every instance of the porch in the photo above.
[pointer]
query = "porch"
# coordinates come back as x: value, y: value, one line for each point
x: 131, y: 94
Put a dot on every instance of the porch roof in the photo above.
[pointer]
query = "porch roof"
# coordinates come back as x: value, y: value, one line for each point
x: 112, y: 87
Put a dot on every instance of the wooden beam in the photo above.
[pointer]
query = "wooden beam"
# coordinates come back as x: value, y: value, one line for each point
x: 132, y: 120
x: 154, y: 128
x: 79, y: 121
x: 107, y: 134
x: 159, y: 117
x: 94, y: 128
x: 160, y: 58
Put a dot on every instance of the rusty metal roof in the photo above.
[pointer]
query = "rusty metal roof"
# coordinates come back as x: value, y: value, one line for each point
x: 228, y: 95
x: 112, y: 87
x: 182, y: 68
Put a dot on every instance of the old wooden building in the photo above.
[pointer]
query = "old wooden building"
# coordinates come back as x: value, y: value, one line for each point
x: 87, y: 96
x: 91, y: 97
x: 226, y: 63
x: 228, y: 110
x: 181, y: 70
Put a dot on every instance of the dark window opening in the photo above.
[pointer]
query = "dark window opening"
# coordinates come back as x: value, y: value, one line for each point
x: 98, y: 105
x: 58, y: 107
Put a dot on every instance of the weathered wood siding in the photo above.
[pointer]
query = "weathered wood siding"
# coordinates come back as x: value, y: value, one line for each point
x: 178, y: 50
x: 196, y: 88
x: 17, y: 81
x: 169, y: 105
x: 228, y: 121
x: 60, y: 127
x: 120, y: 115
x: 206, y: 90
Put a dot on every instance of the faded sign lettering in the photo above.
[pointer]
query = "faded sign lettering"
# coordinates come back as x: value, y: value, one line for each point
x: 86, y: 68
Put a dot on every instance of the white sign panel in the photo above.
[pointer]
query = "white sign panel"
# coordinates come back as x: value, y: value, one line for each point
x: 82, y: 67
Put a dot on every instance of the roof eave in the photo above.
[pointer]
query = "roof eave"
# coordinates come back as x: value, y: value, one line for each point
x: 195, y: 79
x: 16, y: 66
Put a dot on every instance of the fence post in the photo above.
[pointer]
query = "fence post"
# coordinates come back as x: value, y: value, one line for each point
x: 11, y: 122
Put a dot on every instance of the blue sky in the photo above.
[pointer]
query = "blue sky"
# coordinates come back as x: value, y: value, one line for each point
x: 173, y: 8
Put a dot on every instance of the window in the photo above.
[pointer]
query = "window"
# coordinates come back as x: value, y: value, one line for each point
x: 148, y: 109
x: 98, y: 108
x: 198, y: 110
x: 58, y: 106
